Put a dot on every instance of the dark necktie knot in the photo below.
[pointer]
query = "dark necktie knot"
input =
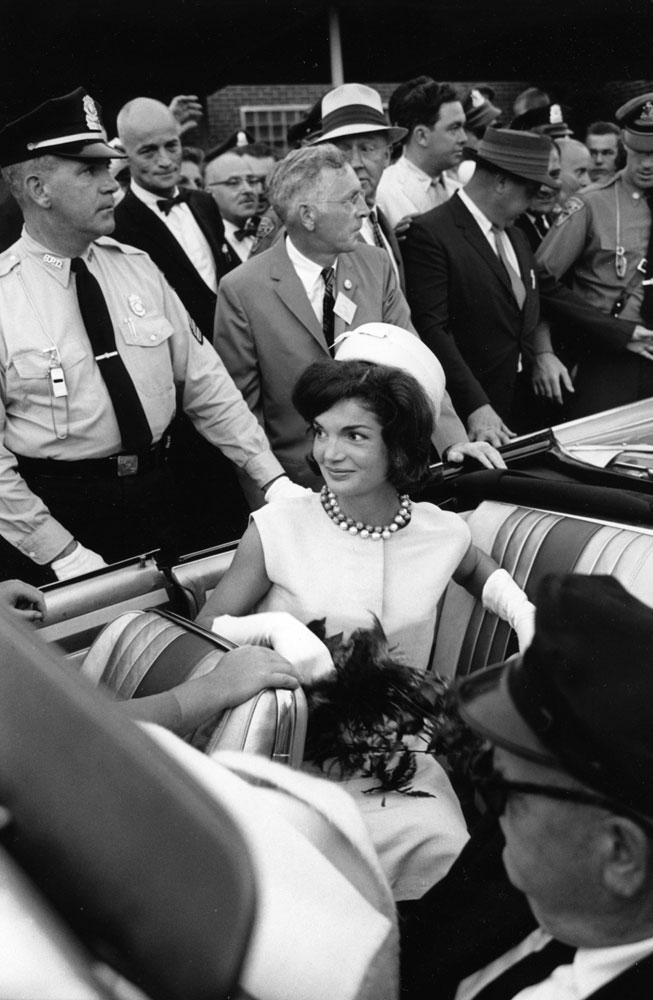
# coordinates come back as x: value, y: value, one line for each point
x: 166, y: 205
x: 376, y: 229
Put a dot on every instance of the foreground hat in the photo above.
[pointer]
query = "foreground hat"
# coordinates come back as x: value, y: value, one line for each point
x: 520, y: 153
x: 353, y: 109
x: 548, y: 120
x: 479, y: 112
x: 63, y: 126
x: 385, y: 344
x: 636, y: 119
x: 581, y: 695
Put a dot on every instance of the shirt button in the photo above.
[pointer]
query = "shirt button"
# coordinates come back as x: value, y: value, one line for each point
x: 153, y: 336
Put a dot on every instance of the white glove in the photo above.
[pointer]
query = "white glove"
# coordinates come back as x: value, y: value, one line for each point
x: 79, y: 561
x: 504, y: 598
x: 286, y: 635
x: 284, y: 489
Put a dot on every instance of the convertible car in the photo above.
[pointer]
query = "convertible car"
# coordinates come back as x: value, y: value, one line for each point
x: 84, y: 879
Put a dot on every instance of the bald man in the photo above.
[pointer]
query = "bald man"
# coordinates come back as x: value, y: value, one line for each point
x: 575, y: 163
x: 185, y: 238
x: 183, y: 233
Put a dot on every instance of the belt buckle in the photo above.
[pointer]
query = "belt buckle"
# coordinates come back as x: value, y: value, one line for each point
x: 127, y: 465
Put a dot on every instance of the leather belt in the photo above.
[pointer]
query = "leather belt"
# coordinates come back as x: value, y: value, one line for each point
x: 97, y: 468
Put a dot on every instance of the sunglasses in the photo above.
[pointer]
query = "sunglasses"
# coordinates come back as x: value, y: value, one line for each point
x: 495, y: 790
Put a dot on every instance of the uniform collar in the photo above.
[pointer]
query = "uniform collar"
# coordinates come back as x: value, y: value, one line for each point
x: 52, y: 263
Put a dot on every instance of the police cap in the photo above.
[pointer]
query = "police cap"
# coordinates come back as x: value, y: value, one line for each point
x: 636, y: 119
x: 70, y: 126
x: 579, y: 698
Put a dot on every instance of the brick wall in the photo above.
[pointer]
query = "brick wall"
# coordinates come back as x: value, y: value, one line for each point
x: 588, y: 101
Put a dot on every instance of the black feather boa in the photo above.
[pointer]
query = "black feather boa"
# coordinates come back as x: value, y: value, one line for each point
x: 358, y: 722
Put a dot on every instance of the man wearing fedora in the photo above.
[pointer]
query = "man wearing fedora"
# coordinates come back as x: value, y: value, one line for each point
x: 353, y: 120
x: 570, y: 778
x: 602, y: 247
x: 93, y: 347
x: 470, y: 279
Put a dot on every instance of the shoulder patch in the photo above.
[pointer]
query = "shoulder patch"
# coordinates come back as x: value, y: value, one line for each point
x: 570, y: 207
x: 266, y: 227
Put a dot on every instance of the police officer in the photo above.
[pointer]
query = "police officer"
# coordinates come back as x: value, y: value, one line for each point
x: 93, y: 344
x: 600, y: 245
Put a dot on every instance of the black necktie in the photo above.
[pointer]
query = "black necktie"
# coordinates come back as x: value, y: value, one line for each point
x: 531, y: 969
x: 167, y: 204
x: 541, y: 225
x: 134, y: 429
x: 327, y: 305
x: 376, y: 229
x: 646, y: 310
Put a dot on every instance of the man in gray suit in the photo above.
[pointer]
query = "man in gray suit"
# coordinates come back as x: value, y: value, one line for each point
x: 282, y: 310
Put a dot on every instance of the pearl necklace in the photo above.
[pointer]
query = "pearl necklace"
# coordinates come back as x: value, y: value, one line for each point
x: 330, y: 503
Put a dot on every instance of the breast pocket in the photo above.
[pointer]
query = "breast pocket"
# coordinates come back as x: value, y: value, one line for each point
x: 146, y: 354
x: 28, y: 374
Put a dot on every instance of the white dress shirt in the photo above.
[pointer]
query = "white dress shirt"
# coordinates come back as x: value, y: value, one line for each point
x: 405, y: 189
x: 485, y: 226
x: 181, y: 223
x: 310, y: 275
x: 590, y: 969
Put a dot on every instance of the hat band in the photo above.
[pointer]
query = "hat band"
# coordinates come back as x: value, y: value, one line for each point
x: 353, y: 114
x: 66, y: 139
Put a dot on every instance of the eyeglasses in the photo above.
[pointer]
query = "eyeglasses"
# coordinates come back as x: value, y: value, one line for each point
x: 350, y: 203
x: 237, y: 182
x: 495, y: 791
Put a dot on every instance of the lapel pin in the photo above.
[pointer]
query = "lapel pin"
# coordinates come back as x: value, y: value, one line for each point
x: 347, y: 284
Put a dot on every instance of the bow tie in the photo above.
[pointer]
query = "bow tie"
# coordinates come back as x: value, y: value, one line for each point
x: 166, y: 205
x: 249, y: 229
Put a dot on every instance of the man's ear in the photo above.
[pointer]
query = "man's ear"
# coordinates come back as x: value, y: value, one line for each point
x: 36, y: 188
x: 626, y: 856
x: 306, y: 216
x: 421, y: 134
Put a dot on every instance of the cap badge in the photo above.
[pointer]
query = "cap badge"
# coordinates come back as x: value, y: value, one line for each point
x: 477, y: 98
x: 91, y: 112
x: 646, y: 114
x: 136, y: 305
x: 555, y: 115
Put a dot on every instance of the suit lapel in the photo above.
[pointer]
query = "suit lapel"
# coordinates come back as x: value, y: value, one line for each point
x: 212, y: 227
x: 148, y: 223
x: 291, y: 291
x: 464, y: 219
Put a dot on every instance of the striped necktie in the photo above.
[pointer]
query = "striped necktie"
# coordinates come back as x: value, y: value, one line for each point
x: 328, y: 303
x: 376, y: 229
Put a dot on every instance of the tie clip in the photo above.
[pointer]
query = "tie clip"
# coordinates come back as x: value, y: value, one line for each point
x: 109, y: 354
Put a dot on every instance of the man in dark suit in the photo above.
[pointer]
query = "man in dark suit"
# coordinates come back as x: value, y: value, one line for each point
x: 185, y: 238
x: 570, y: 778
x: 471, y: 282
x: 353, y: 119
x: 183, y: 233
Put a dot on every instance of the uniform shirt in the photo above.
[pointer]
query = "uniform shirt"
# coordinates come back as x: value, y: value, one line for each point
x: 583, y: 242
x: 183, y: 226
x: 41, y: 327
x: 591, y: 968
x: 405, y: 189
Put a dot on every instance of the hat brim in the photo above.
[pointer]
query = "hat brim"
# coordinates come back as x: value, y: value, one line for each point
x: 637, y: 142
x: 535, y: 177
x: 394, y: 132
x: 84, y: 151
x: 487, y: 707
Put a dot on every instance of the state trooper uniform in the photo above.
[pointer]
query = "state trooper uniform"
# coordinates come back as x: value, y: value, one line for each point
x: 64, y: 473
x: 599, y: 245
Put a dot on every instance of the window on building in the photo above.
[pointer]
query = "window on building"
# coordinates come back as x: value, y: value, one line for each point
x: 269, y: 123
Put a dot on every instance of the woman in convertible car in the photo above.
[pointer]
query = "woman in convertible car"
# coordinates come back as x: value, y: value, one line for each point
x: 362, y: 548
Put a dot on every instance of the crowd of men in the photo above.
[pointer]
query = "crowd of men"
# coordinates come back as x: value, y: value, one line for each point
x: 161, y: 301
x: 143, y: 321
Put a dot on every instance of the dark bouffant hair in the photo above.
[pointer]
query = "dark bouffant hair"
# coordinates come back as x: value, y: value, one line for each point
x: 396, y: 399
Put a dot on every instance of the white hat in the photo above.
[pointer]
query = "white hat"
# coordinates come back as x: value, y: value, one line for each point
x: 353, y: 109
x: 389, y: 345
